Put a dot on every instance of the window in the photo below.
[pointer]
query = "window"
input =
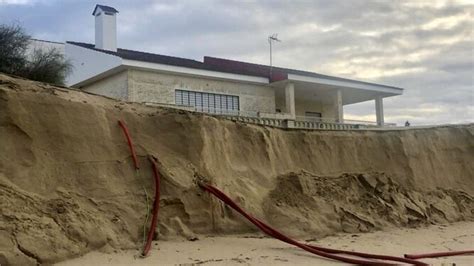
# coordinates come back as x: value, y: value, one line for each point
x: 313, y: 116
x: 205, y: 103
x: 212, y: 103
x: 208, y: 102
x: 198, y: 101
x: 192, y: 98
x: 218, y: 102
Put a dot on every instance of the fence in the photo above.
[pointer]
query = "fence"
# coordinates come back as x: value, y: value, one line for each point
x: 277, y: 119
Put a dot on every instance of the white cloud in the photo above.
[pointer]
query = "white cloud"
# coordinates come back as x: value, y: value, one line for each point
x: 15, y: 2
x: 445, y: 22
x: 23, y: 2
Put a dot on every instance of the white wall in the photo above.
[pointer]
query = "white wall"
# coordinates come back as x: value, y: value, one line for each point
x: 106, y: 31
x: 44, y: 45
x: 147, y: 86
x: 115, y: 86
x: 88, y: 63
x: 302, y: 106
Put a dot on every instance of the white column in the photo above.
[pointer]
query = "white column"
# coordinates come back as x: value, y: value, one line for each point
x: 339, y: 115
x: 379, y: 110
x: 290, y: 99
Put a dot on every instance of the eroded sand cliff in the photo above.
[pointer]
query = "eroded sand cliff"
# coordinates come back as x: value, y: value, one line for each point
x: 68, y: 185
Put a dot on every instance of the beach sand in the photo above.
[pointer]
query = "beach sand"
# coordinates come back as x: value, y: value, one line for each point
x: 254, y: 250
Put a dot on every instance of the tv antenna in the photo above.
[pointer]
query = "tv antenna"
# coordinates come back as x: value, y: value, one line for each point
x: 272, y: 38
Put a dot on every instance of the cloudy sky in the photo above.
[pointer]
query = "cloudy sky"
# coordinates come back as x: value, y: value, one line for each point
x: 424, y: 46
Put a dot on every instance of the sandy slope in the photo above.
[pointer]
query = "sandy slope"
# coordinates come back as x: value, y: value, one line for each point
x: 235, y: 250
x: 67, y: 184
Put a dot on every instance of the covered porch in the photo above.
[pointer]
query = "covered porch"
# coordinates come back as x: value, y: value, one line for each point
x: 321, y: 98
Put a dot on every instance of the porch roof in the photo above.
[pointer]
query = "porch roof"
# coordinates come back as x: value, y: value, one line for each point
x: 279, y: 73
x: 324, y: 89
x: 310, y: 85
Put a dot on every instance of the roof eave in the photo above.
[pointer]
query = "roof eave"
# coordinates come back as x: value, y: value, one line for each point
x: 100, y: 76
x: 346, y: 83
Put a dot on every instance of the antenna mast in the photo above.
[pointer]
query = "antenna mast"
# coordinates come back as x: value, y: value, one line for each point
x: 272, y: 38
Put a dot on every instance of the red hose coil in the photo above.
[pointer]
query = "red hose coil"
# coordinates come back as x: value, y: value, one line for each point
x: 324, y: 252
x: 130, y: 143
x: 440, y: 254
x: 156, y: 207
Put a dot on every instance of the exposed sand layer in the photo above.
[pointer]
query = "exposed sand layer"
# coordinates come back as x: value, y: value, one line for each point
x: 358, y: 203
x: 68, y: 186
x: 240, y: 250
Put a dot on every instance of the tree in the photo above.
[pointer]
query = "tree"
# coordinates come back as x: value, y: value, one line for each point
x: 13, y: 44
x: 47, y: 66
x: 42, y: 65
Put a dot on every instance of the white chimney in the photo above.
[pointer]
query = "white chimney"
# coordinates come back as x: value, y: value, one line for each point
x: 105, y: 27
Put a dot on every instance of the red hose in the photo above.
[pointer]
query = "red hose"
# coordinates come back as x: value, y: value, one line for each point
x: 130, y: 144
x: 324, y: 252
x: 156, y: 174
x: 156, y: 206
x: 440, y: 254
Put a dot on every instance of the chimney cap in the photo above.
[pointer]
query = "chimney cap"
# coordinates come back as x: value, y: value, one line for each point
x: 103, y: 8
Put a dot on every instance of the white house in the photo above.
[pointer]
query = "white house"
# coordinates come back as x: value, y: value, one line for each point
x: 214, y: 85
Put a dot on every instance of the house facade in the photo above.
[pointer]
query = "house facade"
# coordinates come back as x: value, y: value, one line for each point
x: 214, y: 85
